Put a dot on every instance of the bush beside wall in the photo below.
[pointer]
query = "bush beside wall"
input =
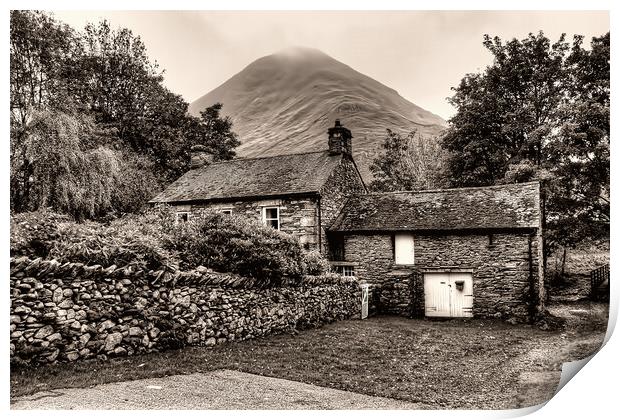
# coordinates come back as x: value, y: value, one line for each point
x: 70, y: 311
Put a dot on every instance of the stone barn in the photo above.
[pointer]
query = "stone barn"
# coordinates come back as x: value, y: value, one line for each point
x: 446, y: 253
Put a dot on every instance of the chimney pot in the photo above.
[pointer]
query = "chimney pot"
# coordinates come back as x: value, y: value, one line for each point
x: 339, y: 139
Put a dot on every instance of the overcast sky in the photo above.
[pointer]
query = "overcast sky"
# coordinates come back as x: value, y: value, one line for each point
x: 421, y: 54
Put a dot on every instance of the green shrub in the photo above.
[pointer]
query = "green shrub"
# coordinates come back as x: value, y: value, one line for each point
x: 131, y: 240
x: 315, y: 264
x: 153, y: 241
x: 233, y: 243
x: 33, y: 234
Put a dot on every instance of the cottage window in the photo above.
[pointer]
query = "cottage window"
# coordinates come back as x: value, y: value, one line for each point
x: 182, y: 216
x: 403, y: 249
x: 271, y: 217
x: 348, y: 271
x: 344, y: 270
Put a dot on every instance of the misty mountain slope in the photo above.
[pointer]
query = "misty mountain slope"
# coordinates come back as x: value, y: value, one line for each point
x: 285, y: 102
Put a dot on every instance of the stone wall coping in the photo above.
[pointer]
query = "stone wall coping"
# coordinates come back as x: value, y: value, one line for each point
x: 345, y: 263
x: 451, y: 269
x: 171, y: 276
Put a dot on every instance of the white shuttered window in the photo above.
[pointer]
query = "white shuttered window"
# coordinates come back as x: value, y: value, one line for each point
x: 403, y: 248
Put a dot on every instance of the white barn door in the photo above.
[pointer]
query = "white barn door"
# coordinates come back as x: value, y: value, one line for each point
x: 437, y: 294
x: 448, y: 295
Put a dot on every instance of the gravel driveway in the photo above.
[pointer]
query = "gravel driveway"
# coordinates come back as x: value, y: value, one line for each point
x: 218, y: 390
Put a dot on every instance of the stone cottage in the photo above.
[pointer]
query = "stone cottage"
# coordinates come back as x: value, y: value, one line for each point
x: 300, y: 194
x: 445, y: 253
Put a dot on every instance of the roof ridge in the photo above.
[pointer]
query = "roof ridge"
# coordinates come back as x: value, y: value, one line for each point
x: 481, y: 187
x: 265, y: 157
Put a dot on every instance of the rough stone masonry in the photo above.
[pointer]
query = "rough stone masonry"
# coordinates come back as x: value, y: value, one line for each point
x: 71, y: 311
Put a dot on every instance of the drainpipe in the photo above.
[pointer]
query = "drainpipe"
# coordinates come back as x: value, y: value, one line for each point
x: 320, y: 233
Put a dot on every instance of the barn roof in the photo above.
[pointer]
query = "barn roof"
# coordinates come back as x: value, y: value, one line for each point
x: 253, y: 177
x: 495, y: 207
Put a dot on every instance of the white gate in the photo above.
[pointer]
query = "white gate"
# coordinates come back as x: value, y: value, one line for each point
x: 364, y: 301
x: 448, y: 295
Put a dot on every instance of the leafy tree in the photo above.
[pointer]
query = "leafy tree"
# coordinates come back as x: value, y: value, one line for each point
x: 40, y: 49
x: 114, y: 79
x: 578, y: 150
x: 215, y: 131
x: 123, y: 88
x: 540, y: 111
x: 409, y: 162
x: 57, y: 164
x: 505, y: 113
x: 109, y: 102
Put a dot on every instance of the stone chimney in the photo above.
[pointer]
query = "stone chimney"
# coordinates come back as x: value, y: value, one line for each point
x: 339, y: 140
x: 201, y: 156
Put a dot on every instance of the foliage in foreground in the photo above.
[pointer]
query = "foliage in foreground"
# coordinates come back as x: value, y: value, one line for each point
x: 235, y: 243
x: 153, y: 241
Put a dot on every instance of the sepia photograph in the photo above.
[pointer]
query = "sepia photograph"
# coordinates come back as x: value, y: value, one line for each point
x: 305, y: 209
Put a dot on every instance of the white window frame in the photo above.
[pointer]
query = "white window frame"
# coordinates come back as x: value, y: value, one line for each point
x: 343, y: 269
x: 178, y: 217
x: 267, y: 220
x: 349, y: 268
x: 404, y: 249
x: 227, y: 211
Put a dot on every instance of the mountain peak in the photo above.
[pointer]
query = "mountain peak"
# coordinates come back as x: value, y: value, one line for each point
x: 283, y: 103
x: 300, y: 51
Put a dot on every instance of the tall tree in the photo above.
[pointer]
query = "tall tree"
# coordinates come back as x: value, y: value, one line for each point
x: 578, y: 150
x: 504, y: 113
x: 215, y: 131
x: 109, y: 101
x: 539, y: 111
x: 408, y: 162
x: 60, y: 162
x: 40, y: 50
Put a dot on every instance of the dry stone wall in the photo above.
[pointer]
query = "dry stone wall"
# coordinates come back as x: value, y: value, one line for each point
x: 65, y: 312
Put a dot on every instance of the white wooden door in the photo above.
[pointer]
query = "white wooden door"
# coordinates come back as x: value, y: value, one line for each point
x: 437, y: 294
x: 448, y: 295
x: 461, y: 295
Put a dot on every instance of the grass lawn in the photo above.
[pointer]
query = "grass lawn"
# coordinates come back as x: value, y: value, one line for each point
x: 438, y: 364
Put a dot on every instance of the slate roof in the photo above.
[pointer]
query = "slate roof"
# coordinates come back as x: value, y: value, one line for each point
x: 495, y: 207
x: 254, y: 177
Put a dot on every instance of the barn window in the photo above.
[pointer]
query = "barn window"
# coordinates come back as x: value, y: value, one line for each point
x: 403, y: 248
x: 271, y: 217
x: 182, y: 216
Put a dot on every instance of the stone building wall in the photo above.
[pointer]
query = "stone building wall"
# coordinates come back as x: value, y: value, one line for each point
x: 344, y: 182
x: 505, y: 271
x: 65, y: 312
x: 298, y: 216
